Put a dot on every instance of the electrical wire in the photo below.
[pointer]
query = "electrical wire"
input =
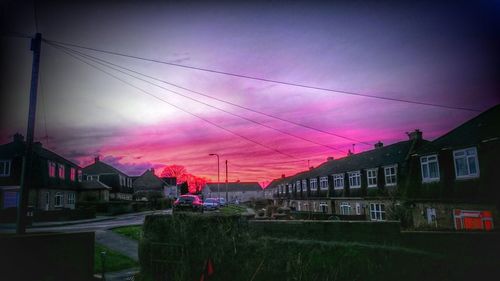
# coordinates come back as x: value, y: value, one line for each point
x: 173, y: 105
x: 268, y: 80
x: 223, y: 110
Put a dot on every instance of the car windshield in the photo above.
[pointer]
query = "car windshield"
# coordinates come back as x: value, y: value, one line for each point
x: 186, y: 199
x: 210, y: 201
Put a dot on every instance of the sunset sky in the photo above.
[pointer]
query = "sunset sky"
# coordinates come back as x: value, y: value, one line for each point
x: 426, y: 52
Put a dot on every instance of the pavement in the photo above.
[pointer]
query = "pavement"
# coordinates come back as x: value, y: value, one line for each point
x: 124, y: 275
x: 119, y: 243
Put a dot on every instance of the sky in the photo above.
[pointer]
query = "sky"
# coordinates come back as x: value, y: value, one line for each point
x: 430, y: 52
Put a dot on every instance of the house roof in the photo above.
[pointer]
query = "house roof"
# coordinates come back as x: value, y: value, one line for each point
x: 148, y: 180
x: 94, y: 185
x: 99, y: 167
x: 17, y: 148
x: 234, y: 186
x: 484, y: 127
x: 383, y: 156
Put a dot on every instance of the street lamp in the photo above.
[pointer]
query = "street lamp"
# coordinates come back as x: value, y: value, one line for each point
x: 218, y: 174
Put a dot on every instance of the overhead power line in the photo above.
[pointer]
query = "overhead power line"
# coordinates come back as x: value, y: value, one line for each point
x: 268, y: 80
x: 220, y: 100
x: 173, y: 105
x: 218, y: 108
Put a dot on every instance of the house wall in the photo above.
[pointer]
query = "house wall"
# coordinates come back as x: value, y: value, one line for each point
x: 93, y: 195
x: 39, y: 198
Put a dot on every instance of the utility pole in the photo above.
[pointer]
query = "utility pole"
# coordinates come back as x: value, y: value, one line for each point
x: 27, y: 169
x: 226, y: 184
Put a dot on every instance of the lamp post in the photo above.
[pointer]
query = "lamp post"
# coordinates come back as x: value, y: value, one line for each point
x: 218, y: 173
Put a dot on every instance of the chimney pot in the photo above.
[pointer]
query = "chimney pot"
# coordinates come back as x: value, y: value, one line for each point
x: 330, y: 158
x: 415, y: 135
x: 283, y: 176
x: 379, y: 144
x: 96, y: 159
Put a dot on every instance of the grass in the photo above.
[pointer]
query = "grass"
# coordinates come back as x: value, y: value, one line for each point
x: 114, y: 261
x: 233, y: 210
x: 132, y: 232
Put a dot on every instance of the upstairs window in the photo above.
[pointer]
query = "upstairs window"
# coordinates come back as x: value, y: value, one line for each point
x: 93, y: 177
x: 80, y: 175
x: 466, y: 164
x: 338, y: 181
x: 355, y: 179
x: 4, y: 168
x: 430, y: 168
x: 304, y: 185
x: 314, y: 184
x: 371, y: 177
x: 299, y: 187
x: 60, y: 171
x: 390, y: 175
x: 72, y: 174
x: 52, y: 169
x: 323, y: 183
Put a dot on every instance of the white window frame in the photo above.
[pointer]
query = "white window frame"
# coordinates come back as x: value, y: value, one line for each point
x: 298, y: 185
x: 425, y: 162
x: 338, y: 181
x: 352, y: 176
x: 323, y: 207
x: 59, y: 195
x: 61, y: 171
x: 358, y: 209
x: 304, y: 185
x: 323, y: 183
x: 313, y: 184
x: 71, y: 198
x: 371, y: 174
x: 52, y: 168
x: 466, y: 157
x: 343, y: 207
x: 376, y: 212
x: 5, y: 172
x: 395, y: 175
x: 92, y: 177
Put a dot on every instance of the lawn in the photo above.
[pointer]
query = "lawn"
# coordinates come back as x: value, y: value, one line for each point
x: 233, y: 210
x: 114, y: 261
x: 132, y: 232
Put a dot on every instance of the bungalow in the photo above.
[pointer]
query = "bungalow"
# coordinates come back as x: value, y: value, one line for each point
x: 234, y: 191
x: 56, y: 180
x: 120, y: 183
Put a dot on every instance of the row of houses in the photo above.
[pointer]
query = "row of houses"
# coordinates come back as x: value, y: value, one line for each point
x: 59, y: 183
x: 450, y: 182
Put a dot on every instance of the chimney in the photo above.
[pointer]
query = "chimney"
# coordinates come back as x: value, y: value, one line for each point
x: 415, y: 135
x: 330, y: 158
x: 96, y: 159
x: 18, y: 137
x: 152, y: 170
x: 379, y: 144
x: 349, y: 153
x: 282, y: 176
x: 310, y: 168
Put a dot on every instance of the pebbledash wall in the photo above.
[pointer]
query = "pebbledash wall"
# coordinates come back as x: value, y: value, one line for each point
x: 449, y: 183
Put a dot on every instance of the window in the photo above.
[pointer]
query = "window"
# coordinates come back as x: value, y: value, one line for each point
x: 299, y: 188
x: 390, y: 175
x: 338, y: 181
x: 466, y: 163
x: 52, y: 169
x: 58, y: 199
x: 71, y: 198
x: 4, y: 168
x: 80, y: 175
x: 314, y: 184
x: 129, y: 182
x: 371, y: 176
x: 304, y: 185
x: 358, y: 209
x: 60, y: 170
x: 354, y: 179
x: 430, y: 168
x: 72, y: 174
x: 93, y: 177
x: 345, y: 208
x: 122, y: 181
x: 377, y: 212
x: 323, y: 183
x: 323, y: 206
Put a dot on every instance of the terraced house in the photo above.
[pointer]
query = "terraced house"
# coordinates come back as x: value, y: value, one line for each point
x: 448, y: 183
x: 56, y: 180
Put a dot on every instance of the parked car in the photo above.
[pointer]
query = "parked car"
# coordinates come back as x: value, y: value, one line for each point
x: 222, y: 202
x: 211, y: 204
x: 188, y: 203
